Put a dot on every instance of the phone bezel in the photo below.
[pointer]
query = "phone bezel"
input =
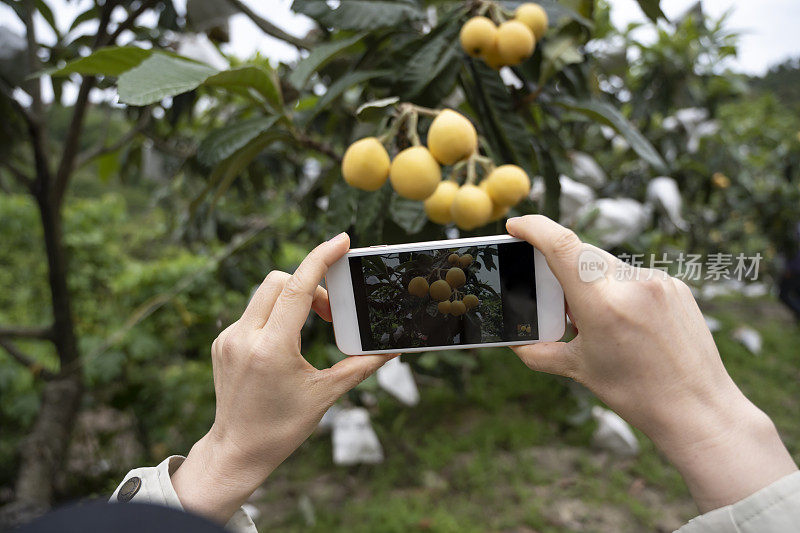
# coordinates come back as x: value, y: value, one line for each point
x: 549, y: 296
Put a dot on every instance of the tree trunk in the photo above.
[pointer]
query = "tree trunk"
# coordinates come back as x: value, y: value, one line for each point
x: 43, y: 451
x: 44, y: 448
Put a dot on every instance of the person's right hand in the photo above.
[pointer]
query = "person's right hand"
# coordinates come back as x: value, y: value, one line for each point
x: 644, y: 349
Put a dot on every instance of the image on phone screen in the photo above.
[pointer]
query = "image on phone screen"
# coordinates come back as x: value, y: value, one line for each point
x: 446, y: 296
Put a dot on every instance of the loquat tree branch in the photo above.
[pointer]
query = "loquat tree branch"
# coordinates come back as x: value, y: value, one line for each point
x: 127, y: 23
x: 269, y: 28
x: 22, y: 332
x: 71, y: 145
x: 306, y: 141
x: 72, y: 139
x: 35, y: 115
x: 35, y: 84
x: 19, y: 175
x: 87, y: 156
x: 17, y: 355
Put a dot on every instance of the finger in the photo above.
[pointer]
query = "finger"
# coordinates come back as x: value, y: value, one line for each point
x: 572, y: 319
x: 550, y: 357
x: 294, y: 302
x: 263, y: 300
x: 560, y: 246
x: 352, y: 370
x: 322, y: 305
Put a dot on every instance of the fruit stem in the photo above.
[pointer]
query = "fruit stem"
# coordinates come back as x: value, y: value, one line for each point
x: 499, y: 15
x: 391, y: 133
x: 411, y: 128
x: 471, y: 175
x: 484, y: 144
x: 486, y: 163
x: 456, y: 170
x: 420, y: 110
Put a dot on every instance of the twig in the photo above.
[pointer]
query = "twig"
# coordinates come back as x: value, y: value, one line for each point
x: 35, y: 84
x: 304, y: 140
x: 127, y: 23
x: 108, y: 112
x: 530, y: 97
x: 180, y: 148
x: 34, y: 117
x: 72, y: 143
x: 21, y: 332
x: 72, y: 138
x: 17, y: 355
x: 84, y: 158
x: 269, y: 28
x: 19, y: 175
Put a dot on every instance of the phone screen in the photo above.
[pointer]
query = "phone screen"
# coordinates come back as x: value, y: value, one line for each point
x: 446, y: 296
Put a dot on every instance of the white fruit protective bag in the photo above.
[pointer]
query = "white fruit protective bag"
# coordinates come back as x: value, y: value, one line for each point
x: 396, y: 378
x: 613, y: 433
x: 354, y: 440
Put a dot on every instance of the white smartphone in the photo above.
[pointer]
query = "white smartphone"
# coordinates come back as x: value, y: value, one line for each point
x: 458, y: 293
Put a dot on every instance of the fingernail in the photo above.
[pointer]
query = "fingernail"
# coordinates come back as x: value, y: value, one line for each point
x: 339, y: 238
x: 511, y: 221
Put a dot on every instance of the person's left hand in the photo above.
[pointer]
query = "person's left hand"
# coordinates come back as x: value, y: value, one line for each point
x: 269, y: 398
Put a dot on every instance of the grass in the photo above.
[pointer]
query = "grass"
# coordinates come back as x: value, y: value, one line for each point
x: 500, y: 455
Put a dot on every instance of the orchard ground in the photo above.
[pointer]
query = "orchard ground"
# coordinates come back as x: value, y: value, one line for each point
x: 502, y: 456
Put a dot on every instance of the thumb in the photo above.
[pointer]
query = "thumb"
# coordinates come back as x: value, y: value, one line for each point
x: 551, y: 357
x: 352, y: 370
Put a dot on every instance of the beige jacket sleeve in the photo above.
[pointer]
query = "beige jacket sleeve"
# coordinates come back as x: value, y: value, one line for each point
x: 773, y: 509
x: 154, y: 485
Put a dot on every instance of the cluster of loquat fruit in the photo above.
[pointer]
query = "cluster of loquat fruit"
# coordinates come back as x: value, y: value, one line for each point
x: 509, y: 43
x: 415, y: 172
x: 446, y: 291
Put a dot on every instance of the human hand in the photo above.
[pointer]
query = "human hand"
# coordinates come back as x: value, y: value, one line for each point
x: 644, y: 349
x: 269, y: 398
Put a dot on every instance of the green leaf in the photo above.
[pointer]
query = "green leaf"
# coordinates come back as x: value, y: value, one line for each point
x: 227, y: 170
x: 318, y: 57
x: 440, y: 52
x: 47, y: 15
x: 559, y: 53
x: 109, y: 61
x: 341, y: 206
x: 407, y: 214
x: 338, y: 87
x: 376, y: 104
x: 107, y: 165
x: 86, y: 16
x: 500, y: 121
x: 360, y: 14
x: 548, y: 169
x: 232, y: 168
x: 609, y: 115
x: 252, y: 76
x: 160, y: 76
x: 652, y: 9
x: 369, y: 217
x: 18, y: 7
x: 224, y: 142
